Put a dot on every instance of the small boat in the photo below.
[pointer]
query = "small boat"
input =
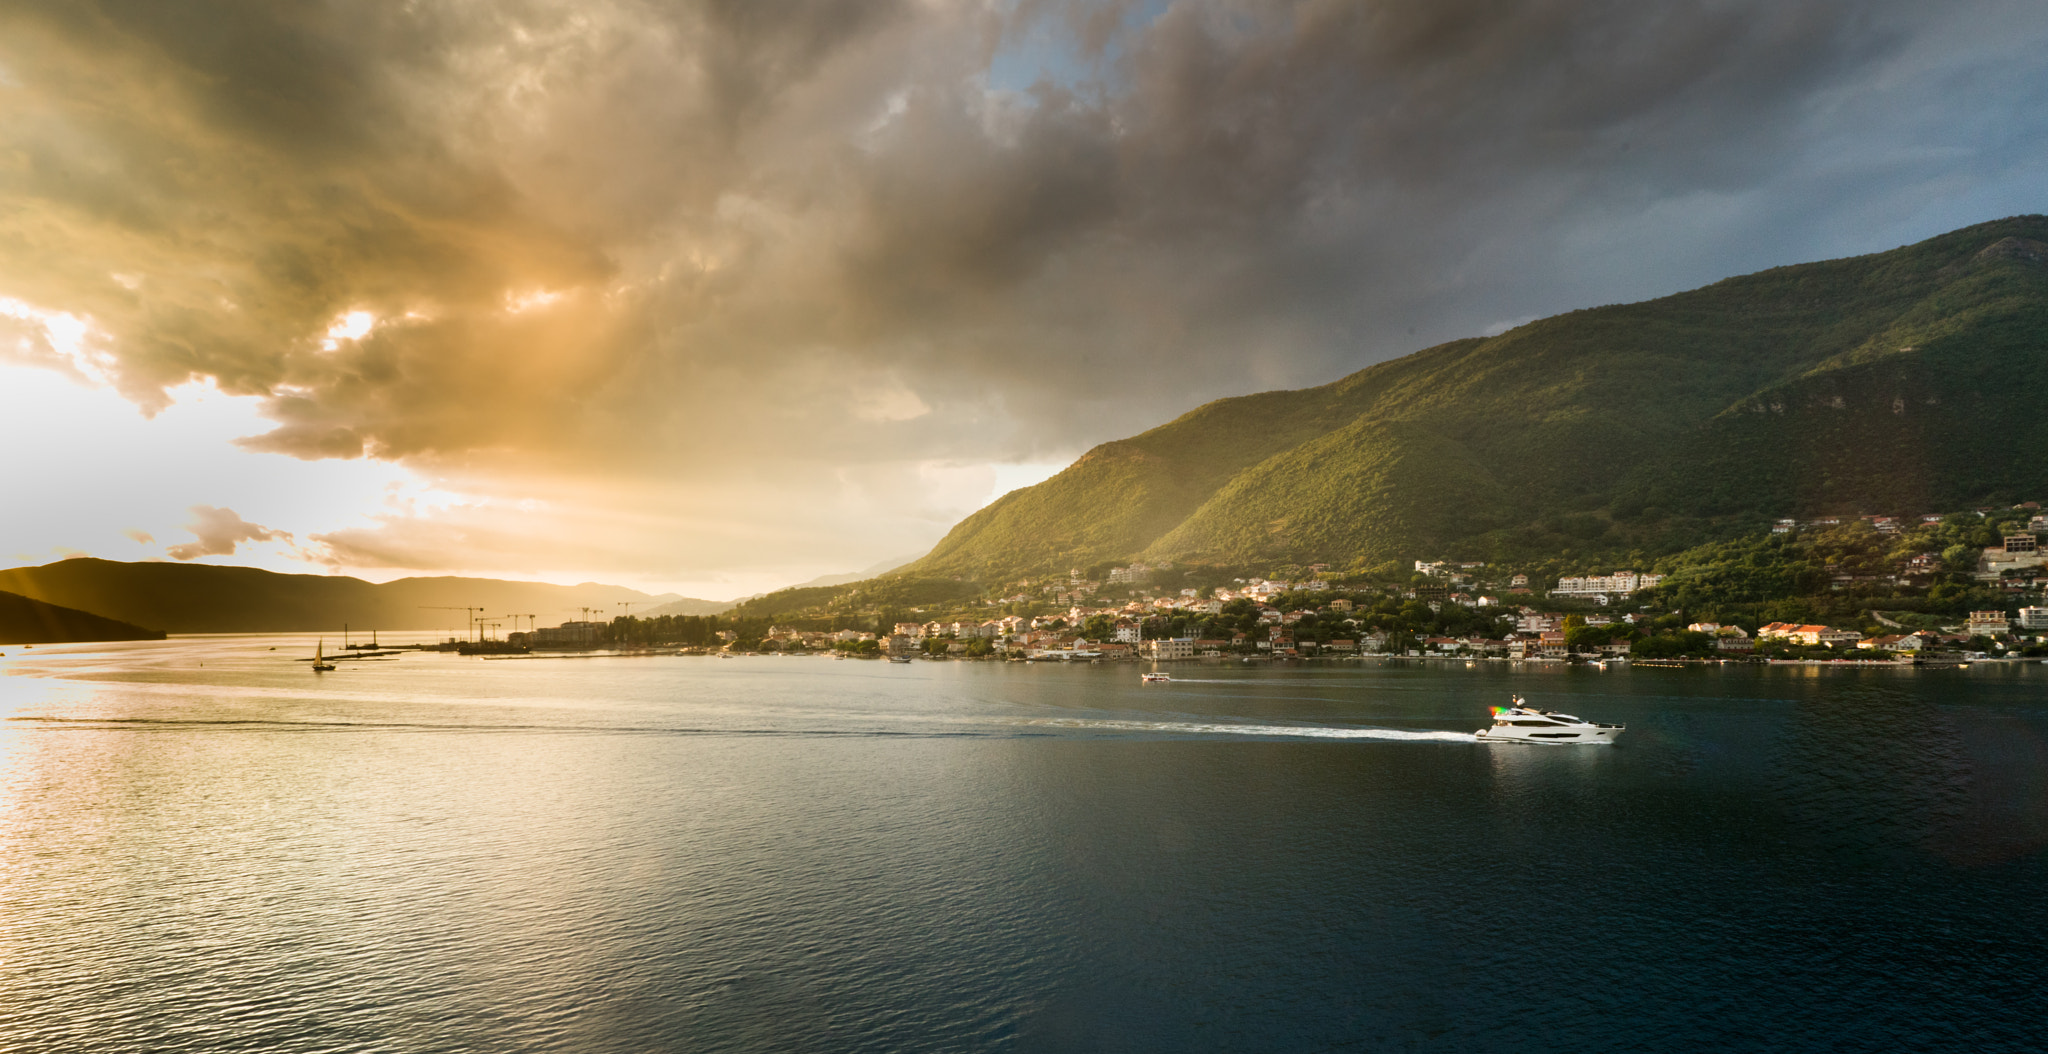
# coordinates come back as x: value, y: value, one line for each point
x: 1522, y: 723
x: 320, y: 663
x: 1155, y: 678
x: 905, y: 659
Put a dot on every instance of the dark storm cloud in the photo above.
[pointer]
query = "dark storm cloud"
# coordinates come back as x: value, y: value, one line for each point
x: 809, y: 234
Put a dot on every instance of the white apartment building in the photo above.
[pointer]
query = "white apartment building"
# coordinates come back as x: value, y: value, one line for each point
x: 1602, y: 585
x: 1987, y: 623
x: 1177, y: 648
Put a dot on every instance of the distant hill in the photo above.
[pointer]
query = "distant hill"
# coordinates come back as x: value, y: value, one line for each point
x: 27, y: 621
x: 687, y: 606
x: 202, y: 598
x: 1903, y: 381
x: 862, y: 575
x: 822, y: 582
x: 818, y: 590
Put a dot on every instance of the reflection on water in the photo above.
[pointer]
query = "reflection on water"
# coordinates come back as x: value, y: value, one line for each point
x: 204, y: 846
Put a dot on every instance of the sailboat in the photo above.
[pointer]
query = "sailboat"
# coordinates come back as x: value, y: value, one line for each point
x: 320, y: 663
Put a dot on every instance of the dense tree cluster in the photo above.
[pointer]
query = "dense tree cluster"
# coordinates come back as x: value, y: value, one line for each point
x: 1837, y: 574
x: 690, y: 631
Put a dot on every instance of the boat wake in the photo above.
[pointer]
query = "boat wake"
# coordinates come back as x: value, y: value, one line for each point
x: 967, y: 728
x: 1200, y: 728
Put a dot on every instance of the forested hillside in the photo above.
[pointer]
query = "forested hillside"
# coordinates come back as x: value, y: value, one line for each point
x: 1896, y: 382
x: 27, y: 621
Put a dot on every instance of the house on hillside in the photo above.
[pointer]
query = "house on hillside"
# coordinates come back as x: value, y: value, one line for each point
x: 1899, y: 642
x: 1177, y: 648
x: 1808, y: 634
x: 1987, y: 624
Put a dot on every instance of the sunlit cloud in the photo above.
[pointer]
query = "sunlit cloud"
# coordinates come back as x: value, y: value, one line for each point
x: 893, y: 403
x: 353, y: 325
x: 516, y: 303
x: 57, y: 339
x: 218, y: 531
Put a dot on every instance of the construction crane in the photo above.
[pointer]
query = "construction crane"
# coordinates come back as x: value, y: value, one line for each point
x: 628, y: 605
x: 471, y: 612
x: 532, y: 622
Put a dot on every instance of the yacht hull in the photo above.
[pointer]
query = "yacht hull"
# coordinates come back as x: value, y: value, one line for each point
x: 1560, y: 737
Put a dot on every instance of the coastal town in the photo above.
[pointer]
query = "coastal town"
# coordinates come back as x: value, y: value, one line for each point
x: 1467, y: 610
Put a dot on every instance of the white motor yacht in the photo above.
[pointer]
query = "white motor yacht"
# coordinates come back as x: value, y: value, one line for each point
x: 1522, y: 723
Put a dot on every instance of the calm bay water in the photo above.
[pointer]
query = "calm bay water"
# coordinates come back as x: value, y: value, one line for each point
x: 206, y: 847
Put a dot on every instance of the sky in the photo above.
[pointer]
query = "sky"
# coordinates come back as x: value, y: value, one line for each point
x: 715, y: 296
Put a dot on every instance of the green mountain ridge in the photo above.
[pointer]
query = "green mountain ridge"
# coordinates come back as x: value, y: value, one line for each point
x: 1901, y: 381
x: 205, y: 598
x: 28, y: 621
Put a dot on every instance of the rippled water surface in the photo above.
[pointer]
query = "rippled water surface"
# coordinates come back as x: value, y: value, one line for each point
x: 206, y: 847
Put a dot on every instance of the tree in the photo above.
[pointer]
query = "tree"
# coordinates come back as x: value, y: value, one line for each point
x: 1590, y: 637
x: 1673, y: 645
